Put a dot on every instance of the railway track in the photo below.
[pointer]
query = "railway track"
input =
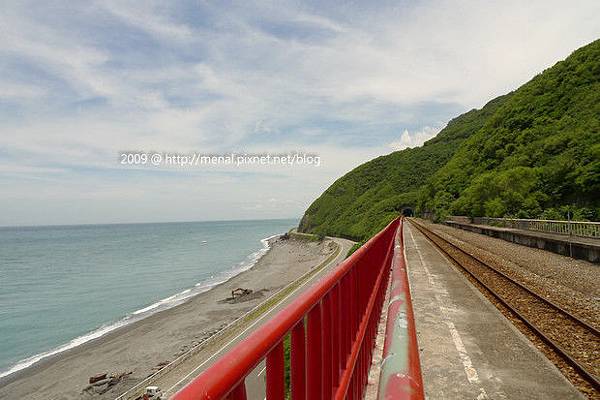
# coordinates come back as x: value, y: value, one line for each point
x: 573, y: 340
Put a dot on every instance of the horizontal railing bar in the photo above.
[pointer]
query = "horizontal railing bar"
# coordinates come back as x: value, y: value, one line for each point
x: 575, y: 228
x: 554, y: 221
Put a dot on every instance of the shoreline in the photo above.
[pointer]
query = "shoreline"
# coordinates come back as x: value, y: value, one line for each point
x: 214, y: 315
x: 145, y: 312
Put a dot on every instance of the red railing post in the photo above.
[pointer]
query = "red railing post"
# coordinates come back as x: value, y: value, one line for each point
x: 353, y: 306
x: 239, y: 392
x: 345, y: 320
x: 313, y: 353
x: 276, y: 373
x: 327, y: 346
x: 298, y: 362
x: 335, y: 337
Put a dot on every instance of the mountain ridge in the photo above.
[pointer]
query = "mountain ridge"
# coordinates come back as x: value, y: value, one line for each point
x: 533, y: 152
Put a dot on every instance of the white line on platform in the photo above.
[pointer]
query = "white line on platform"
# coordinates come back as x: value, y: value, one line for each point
x: 467, y: 363
x: 261, y: 371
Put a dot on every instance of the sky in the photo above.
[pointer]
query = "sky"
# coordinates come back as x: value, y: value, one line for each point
x: 83, y: 82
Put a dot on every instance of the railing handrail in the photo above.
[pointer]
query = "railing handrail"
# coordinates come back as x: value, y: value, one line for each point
x: 230, y: 370
x: 543, y: 220
x: 400, y: 376
x: 588, y: 229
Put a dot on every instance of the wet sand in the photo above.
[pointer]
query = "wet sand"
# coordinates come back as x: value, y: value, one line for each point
x: 141, y: 346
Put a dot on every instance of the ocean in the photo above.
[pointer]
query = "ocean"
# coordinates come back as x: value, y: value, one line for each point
x: 61, y: 286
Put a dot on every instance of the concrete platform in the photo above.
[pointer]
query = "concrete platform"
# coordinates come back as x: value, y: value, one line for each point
x: 468, y: 349
x: 583, y: 248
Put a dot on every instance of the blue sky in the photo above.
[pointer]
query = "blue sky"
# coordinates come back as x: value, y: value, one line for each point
x: 82, y: 81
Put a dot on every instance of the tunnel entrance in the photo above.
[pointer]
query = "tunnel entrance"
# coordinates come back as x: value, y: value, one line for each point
x: 408, y: 212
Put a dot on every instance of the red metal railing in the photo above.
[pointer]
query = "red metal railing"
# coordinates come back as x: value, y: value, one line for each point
x: 400, y: 377
x: 332, y: 327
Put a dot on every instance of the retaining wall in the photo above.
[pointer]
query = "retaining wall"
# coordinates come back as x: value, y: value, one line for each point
x: 553, y: 243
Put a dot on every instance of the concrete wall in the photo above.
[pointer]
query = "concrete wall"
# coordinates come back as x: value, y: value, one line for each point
x: 578, y: 250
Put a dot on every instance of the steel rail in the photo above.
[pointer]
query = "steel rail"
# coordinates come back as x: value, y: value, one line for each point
x: 575, y: 318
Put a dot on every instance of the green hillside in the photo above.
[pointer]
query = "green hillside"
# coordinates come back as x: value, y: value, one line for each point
x: 532, y: 153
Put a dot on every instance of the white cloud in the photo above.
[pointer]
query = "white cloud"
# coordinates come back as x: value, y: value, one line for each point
x: 17, y: 91
x: 149, y: 17
x: 413, y: 139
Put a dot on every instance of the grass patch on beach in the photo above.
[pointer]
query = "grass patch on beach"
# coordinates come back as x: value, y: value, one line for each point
x: 355, y: 247
x: 311, y: 237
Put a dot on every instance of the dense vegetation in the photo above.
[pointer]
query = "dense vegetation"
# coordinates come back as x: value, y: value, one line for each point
x: 532, y: 153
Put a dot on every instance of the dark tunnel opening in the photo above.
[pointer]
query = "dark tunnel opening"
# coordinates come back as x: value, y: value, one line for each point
x: 408, y: 212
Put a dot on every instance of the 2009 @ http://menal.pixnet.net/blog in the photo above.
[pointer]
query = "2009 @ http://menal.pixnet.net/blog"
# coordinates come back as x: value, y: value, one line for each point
x: 156, y: 159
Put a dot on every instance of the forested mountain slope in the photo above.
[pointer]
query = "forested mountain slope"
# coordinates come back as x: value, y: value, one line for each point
x: 532, y: 153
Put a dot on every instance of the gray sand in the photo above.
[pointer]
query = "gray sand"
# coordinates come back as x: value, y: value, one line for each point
x: 143, y: 345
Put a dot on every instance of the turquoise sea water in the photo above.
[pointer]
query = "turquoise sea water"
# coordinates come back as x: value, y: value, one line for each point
x: 63, y: 285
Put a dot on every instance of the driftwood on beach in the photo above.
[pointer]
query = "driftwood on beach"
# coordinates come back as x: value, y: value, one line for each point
x: 97, y: 377
x: 101, y: 383
x: 160, y: 365
x: 240, y: 292
x: 241, y: 295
